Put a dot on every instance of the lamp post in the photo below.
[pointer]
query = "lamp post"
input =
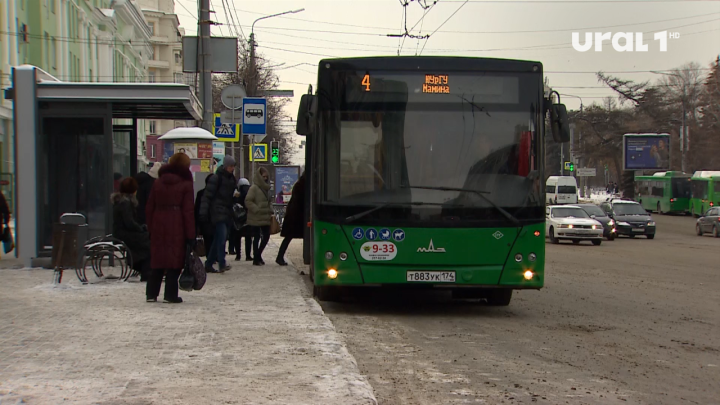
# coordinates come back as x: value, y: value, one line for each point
x: 572, y: 142
x: 252, y: 88
x: 684, y: 141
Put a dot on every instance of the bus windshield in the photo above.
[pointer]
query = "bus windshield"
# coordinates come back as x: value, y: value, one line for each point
x: 410, y: 142
x: 681, y: 188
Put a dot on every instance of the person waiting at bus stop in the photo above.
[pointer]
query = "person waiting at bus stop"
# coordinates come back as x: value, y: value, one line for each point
x: 260, y: 213
x: 217, y: 207
x: 294, y: 220
x: 127, y: 228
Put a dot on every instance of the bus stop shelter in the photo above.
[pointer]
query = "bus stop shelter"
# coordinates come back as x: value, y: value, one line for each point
x: 67, y: 148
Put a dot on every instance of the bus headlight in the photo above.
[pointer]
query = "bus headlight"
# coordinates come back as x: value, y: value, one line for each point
x: 332, y: 274
x: 528, y: 275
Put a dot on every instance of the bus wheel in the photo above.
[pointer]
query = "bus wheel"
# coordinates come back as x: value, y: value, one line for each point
x: 499, y: 297
x: 553, y: 239
x: 698, y: 230
x: 325, y: 293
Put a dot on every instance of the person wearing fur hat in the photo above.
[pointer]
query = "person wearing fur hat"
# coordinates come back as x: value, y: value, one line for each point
x: 217, y: 207
x: 127, y: 229
x: 171, y: 220
x: 145, y: 182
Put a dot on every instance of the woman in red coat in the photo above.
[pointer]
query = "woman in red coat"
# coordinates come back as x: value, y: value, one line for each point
x: 171, y: 222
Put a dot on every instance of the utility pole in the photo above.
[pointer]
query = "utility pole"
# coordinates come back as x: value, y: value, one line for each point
x: 205, y: 65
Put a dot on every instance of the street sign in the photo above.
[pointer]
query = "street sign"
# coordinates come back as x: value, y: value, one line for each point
x: 224, y: 131
x: 254, y: 114
x: 232, y: 96
x: 569, y: 166
x: 586, y: 172
x: 258, y: 152
x: 231, y: 116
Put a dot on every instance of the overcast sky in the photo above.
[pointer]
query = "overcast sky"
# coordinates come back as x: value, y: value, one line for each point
x: 528, y: 29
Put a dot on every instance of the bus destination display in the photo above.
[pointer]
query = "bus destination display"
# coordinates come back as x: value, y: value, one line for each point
x: 436, y: 84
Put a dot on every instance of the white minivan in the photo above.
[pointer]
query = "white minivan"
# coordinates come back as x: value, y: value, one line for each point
x: 561, y: 190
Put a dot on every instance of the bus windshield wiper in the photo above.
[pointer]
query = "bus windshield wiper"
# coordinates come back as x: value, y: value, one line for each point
x: 357, y: 216
x: 480, y: 193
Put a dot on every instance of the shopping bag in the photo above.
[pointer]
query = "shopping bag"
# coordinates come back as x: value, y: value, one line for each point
x: 198, y: 271
x: 274, y: 226
x: 8, y: 242
x: 200, y: 249
x: 187, y: 278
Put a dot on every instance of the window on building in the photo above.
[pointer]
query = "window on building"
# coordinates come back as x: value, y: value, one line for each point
x: 151, y: 76
x: 151, y: 25
x: 53, y: 53
x: 153, y: 127
x: 47, y: 50
x: 152, y: 151
x: 178, y: 58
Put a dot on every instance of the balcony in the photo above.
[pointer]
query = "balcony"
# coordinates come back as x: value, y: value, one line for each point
x: 159, y: 64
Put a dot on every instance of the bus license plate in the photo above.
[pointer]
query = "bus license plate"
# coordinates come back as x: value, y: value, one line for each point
x: 431, y: 276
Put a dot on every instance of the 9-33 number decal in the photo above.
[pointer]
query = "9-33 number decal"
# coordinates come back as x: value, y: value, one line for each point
x: 378, y: 251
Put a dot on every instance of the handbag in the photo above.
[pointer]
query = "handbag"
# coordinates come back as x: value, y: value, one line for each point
x: 187, y: 278
x: 274, y: 226
x: 200, y: 249
x: 8, y: 242
x: 198, y: 270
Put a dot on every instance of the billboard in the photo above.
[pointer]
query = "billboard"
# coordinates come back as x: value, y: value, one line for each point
x: 646, y: 152
x: 285, y: 179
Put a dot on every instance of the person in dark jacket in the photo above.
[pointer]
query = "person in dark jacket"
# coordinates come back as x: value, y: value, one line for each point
x: 145, y: 182
x: 172, y: 226
x: 206, y: 228
x: 294, y: 220
x: 244, y: 232
x: 259, y: 213
x: 128, y: 229
x: 216, y: 207
x: 4, y: 213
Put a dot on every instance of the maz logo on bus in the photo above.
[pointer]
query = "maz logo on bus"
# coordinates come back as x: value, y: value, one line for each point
x: 628, y: 38
x: 436, y: 84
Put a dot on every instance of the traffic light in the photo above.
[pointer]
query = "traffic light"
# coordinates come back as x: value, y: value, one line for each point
x: 275, y: 152
x: 572, y: 166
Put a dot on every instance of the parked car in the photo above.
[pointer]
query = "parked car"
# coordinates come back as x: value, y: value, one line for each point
x: 709, y: 222
x: 572, y: 223
x: 630, y: 217
x: 599, y: 215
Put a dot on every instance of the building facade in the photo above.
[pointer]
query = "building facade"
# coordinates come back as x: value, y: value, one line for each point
x: 73, y: 40
x: 166, y: 66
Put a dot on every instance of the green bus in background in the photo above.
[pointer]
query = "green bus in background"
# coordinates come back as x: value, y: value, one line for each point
x: 705, y: 191
x: 664, y: 192
x: 427, y: 172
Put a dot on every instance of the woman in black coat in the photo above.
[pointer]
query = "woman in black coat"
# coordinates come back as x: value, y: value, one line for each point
x: 127, y: 229
x: 294, y: 221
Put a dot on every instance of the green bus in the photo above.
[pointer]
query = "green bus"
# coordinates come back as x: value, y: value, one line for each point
x: 705, y: 191
x: 427, y: 172
x: 664, y: 192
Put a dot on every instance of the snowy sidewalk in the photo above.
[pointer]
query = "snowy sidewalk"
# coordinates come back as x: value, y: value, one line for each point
x: 251, y: 336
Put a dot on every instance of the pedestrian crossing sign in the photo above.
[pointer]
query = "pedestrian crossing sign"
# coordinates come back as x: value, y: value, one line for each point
x: 225, y: 132
x: 258, y: 152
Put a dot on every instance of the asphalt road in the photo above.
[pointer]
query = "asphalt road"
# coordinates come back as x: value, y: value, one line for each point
x: 630, y: 321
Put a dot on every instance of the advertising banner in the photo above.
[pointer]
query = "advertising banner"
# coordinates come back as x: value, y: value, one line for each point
x: 285, y: 179
x: 190, y: 149
x: 218, y: 151
x: 168, y: 150
x: 646, y: 151
x: 205, y: 151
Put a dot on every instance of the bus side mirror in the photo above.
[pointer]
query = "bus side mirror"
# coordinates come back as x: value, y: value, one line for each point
x: 559, y: 123
x: 305, y: 113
